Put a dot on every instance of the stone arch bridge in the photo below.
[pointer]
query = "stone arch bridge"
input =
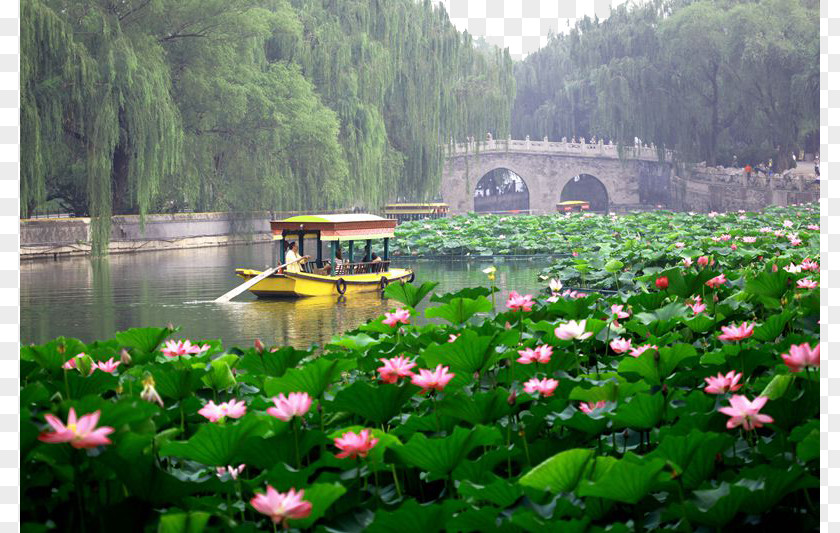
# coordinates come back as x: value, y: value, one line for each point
x: 554, y: 171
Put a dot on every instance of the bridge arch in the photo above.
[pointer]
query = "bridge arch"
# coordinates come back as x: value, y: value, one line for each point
x: 499, y: 190
x: 588, y: 188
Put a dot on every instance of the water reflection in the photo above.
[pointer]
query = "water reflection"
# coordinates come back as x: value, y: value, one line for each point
x: 92, y: 299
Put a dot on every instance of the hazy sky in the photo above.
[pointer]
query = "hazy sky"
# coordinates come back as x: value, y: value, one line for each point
x: 522, y: 25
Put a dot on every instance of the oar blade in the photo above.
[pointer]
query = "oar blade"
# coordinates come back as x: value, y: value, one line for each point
x: 226, y: 297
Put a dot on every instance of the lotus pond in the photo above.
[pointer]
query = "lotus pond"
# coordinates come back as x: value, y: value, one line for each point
x: 686, y: 401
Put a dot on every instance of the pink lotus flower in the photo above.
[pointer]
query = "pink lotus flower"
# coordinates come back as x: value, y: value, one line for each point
x: 575, y: 254
x: 802, y: 357
x: 620, y: 345
x: 721, y: 384
x: 639, y: 350
x: 588, y: 407
x: 572, y: 294
x: 686, y: 262
x: 543, y: 386
x: 353, y: 445
x: 286, y: 408
x: 716, y: 281
x: 109, y: 366
x: 807, y: 284
x: 555, y: 285
x: 282, y: 506
x: 814, y: 227
x: 435, y: 380
x: 809, y: 265
x: 81, y: 433
x: 453, y: 337
x: 400, y: 316
x: 553, y: 298
x: 697, y: 307
x: 619, y: 312
x: 183, y: 347
x: 765, y: 229
x: 748, y: 239
x: 737, y: 333
x: 395, y: 368
x: 540, y: 354
x: 572, y: 330
x: 231, y: 409
x: 231, y: 470
x: 516, y: 302
x: 745, y: 413
x: 679, y: 245
x: 787, y: 223
x: 795, y: 241
x: 734, y: 246
x: 703, y: 261
x: 742, y: 217
x: 725, y: 237
x: 779, y: 233
x: 793, y: 269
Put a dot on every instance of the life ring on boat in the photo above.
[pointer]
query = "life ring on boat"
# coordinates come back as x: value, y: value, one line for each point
x: 383, y: 282
x: 341, y: 285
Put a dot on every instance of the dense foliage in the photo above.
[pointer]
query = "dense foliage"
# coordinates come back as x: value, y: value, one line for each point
x: 709, y: 78
x: 159, y: 105
x: 691, y: 401
x: 640, y: 239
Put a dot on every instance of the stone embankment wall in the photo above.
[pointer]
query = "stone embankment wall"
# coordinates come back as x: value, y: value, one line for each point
x: 729, y: 189
x: 51, y: 237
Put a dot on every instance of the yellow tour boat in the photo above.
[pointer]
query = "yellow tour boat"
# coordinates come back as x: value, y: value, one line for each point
x: 347, y: 277
x: 416, y: 211
x: 572, y: 206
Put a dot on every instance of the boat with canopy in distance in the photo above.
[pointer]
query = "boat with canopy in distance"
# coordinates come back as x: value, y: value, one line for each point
x: 403, y: 212
x: 571, y: 206
x: 345, y: 277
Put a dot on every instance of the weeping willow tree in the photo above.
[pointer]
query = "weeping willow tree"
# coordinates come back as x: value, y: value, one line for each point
x: 709, y: 79
x: 96, y: 111
x: 144, y: 106
x: 403, y: 82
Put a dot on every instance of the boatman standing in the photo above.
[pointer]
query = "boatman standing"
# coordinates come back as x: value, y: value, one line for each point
x: 293, y: 260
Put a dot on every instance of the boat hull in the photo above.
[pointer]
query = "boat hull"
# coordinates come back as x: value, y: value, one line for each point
x: 299, y: 284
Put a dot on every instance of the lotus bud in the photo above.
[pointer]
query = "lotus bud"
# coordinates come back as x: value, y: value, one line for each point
x: 170, y: 327
x: 84, y: 364
x: 258, y: 345
x: 125, y: 358
x: 150, y: 394
x: 511, y: 399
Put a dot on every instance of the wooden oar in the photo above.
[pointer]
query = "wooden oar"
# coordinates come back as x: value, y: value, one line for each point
x: 226, y: 297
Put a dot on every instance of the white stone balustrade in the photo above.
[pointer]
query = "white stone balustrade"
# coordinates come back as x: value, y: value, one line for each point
x: 598, y: 149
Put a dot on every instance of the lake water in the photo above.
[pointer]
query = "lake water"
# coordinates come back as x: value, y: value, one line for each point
x: 92, y: 299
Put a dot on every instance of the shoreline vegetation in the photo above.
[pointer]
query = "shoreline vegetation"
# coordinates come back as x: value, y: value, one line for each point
x: 688, y: 399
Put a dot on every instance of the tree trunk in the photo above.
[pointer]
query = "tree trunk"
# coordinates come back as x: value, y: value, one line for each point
x: 120, y: 199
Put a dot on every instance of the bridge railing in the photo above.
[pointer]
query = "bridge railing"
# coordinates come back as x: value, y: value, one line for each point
x: 597, y: 149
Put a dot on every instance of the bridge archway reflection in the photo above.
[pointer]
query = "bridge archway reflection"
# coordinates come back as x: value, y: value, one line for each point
x: 501, y: 190
x: 588, y: 188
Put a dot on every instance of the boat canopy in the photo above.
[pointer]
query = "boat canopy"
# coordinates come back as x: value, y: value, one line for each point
x: 416, y: 208
x: 334, y: 227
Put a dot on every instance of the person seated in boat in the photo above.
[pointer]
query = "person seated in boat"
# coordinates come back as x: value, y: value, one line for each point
x: 373, y: 260
x: 339, y: 262
x: 293, y: 260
